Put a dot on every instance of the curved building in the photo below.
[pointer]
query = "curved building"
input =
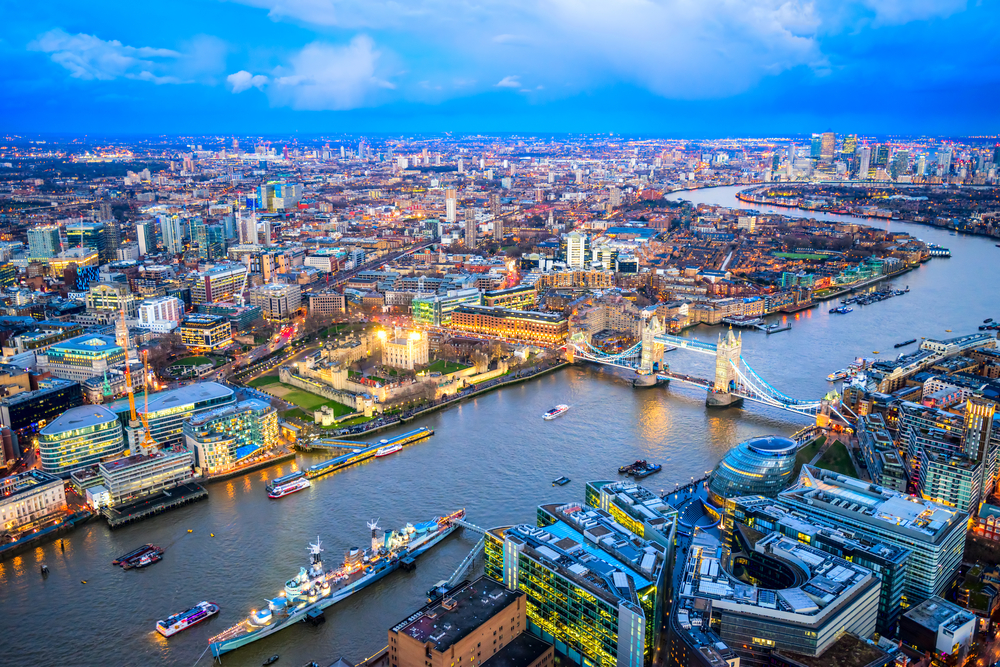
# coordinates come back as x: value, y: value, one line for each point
x: 759, y: 466
x: 80, y: 437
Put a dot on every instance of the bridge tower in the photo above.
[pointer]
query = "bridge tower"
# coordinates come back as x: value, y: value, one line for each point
x: 727, y: 355
x: 652, y: 351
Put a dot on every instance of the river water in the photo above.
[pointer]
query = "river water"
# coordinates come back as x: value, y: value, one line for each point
x: 493, y: 455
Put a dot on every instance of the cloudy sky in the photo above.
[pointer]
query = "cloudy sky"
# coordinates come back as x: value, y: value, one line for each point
x: 665, y: 67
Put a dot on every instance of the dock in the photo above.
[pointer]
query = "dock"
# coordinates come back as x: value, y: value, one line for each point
x: 152, y: 505
x: 362, y: 451
x: 771, y: 330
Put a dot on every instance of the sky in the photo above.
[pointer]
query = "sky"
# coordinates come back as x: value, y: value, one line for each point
x: 684, y: 68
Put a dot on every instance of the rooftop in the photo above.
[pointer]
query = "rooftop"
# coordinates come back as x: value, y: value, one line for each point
x: 23, y: 482
x: 88, y: 343
x: 139, y: 459
x: 44, y: 386
x: 519, y: 652
x: 84, y: 416
x: 182, y: 397
x: 448, y: 621
x: 934, y: 612
x: 848, y: 651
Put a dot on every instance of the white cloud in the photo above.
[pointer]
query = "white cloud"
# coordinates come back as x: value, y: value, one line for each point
x: 323, y: 77
x: 509, y: 82
x: 89, y: 57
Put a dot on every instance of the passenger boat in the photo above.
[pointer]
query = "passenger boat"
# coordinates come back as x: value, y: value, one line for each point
x: 905, y: 343
x: 316, y: 588
x: 288, y: 488
x: 555, y: 412
x: 388, y: 449
x: 836, y: 376
x: 185, y: 619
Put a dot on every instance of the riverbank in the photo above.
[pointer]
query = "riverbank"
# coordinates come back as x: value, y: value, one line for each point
x: 266, y: 463
x: 45, y: 535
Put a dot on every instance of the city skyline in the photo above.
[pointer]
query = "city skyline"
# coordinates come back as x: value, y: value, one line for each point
x: 651, y: 68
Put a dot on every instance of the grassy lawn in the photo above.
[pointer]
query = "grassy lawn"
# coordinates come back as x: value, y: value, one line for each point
x: 445, y: 367
x: 263, y: 381
x: 499, y: 377
x: 837, y: 459
x: 192, y: 361
x: 305, y: 400
x: 806, y: 454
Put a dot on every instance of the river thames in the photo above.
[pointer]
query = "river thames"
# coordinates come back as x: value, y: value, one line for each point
x: 492, y: 455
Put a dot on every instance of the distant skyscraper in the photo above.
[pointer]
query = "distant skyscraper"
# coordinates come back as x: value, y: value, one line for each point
x: 146, y: 235
x: 43, y: 241
x: 828, y: 141
x: 944, y: 162
x: 470, y: 228
x: 170, y: 229
x: 450, y: 205
x: 817, y: 146
x: 850, y: 146
x: 112, y: 239
x: 88, y: 235
x: 864, y: 162
x: 106, y: 213
x: 496, y: 212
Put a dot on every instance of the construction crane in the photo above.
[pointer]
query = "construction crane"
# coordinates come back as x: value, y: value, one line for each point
x: 239, y: 297
x: 147, y: 439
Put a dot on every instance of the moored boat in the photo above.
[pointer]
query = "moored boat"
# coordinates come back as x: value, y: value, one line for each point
x: 134, y: 554
x: 905, y: 343
x: 836, y: 376
x: 281, y: 490
x: 388, y: 449
x: 555, y: 412
x: 185, y: 619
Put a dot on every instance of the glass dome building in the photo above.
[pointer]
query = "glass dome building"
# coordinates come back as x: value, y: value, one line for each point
x: 759, y: 466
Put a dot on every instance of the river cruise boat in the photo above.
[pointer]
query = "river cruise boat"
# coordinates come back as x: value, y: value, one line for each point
x: 836, y: 376
x: 389, y: 449
x: 289, y: 484
x: 555, y: 412
x: 185, y: 619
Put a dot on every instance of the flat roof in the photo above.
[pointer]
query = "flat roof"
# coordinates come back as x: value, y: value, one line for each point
x: 80, y: 417
x: 89, y: 343
x: 519, y: 652
x: 24, y: 482
x: 448, y: 621
x: 187, y: 395
x: 934, y: 612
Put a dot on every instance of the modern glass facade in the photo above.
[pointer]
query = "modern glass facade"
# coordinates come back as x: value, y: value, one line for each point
x: 82, y: 357
x: 169, y: 409
x: 80, y: 437
x: 757, y: 467
x: 222, y: 438
x: 436, y: 310
x: 30, y: 410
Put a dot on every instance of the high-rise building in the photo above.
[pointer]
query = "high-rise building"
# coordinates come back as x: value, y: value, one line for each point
x: 143, y: 474
x: 935, y: 534
x: 226, y: 437
x: 170, y: 229
x: 277, y: 301
x: 450, y: 206
x: 205, y: 333
x: 944, y: 162
x: 43, y: 241
x: 221, y: 282
x: 816, y: 147
x: 470, y: 228
x: 27, y: 411
x: 575, y: 249
x: 828, y: 142
x: 81, y: 358
x: 146, y: 234
x: 88, y: 235
x: 864, y: 162
x: 112, y: 240
x: 497, y: 213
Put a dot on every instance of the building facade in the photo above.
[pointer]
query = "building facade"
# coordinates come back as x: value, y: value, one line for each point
x: 127, y: 479
x: 224, y: 438
x: 169, y: 409
x: 206, y: 333
x: 277, y: 301
x: 521, y: 325
x: 29, y: 411
x: 82, y: 357
x: 80, y: 437
x: 29, y: 499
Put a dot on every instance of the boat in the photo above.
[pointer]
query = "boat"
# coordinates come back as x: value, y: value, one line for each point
x: 134, y: 554
x: 282, y: 490
x: 389, y: 449
x: 185, y: 619
x: 561, y: 481
x: 146, y: 560
x: 905, y: 343
x: 947, y: 330
x: 837, y: 375
x: 647, y: 471
x: 555, y: 412
x: 315, y: 588
x: 627, y: 469
x: 270, y: 661
x: 987, y: 320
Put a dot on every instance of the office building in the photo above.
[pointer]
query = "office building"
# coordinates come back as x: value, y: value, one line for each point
x: 405, y: 351
x: 828, y: 141
x: 240, y: 317
x: 87, y: 235
x: 146, y: 234
x: 761, y: 466
x: 160, y: 314
x: 480, y: 623
x: 636, y: 508
x: 206, y: 333
x: 43, y: 241
x: 112, y: 297
x: 224, y: 438
x: 593, y: 589
x: 132, y: 477
x: 221, y: 282
x: 81, y: 257
x: 519, y: 325
x: 170, y: 231
x: 30, y: 499
x: 450, y: 206
x: 80, y: 437
x: 774, y: 594
x: 767, y: 515
x: 327, y: 303
x: 521, y: 297
x: 81, y: 358
x: 940, y: 628
x: 935, y: 534
x: 169, y: 409
x: 879, y: 450
x: 575, y: 250
x: 28, y: 411
x: 277, y: 301
x: 436, y: 309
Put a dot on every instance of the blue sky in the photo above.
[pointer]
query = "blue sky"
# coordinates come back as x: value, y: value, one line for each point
x: 657, y: 67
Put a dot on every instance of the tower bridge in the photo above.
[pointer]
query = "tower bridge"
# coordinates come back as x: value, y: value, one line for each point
x: 735, y: 380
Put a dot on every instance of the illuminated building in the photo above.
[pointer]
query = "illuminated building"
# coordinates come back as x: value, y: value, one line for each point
x: 30, y: 499
x: 771, y: 594
x: 481, y: 622
x: 436, y: 309
x: 43, y: 241
x: 80, y: 437
x: 522, y: 325
x: 575, y: 249
x: 81, y: 357
x: 327, y: 303
x: 521, y: 297
x: 225, y: 437
x: 160, y: 314
x: 221, y: 282
x: 406, y: 352
x: 28, y: 411
x: 146, y: 234
x: 760, y: 466
x: 593, y: 589
x: 133, y: 477
x: 636, y: 508
x: 951, y: 479
x: 87, y: 235
x: 169, y: 409
x: 170, y: 230
x: 277, y: 301
x: 206, y: 333
x: 937, y: 626
x: 828, y: 141
x: 470, y: 228
x: 935, y: 534
x: 112, y: 297
x: 888, y: 562
x: 239, y: 316
x: 79, y: 256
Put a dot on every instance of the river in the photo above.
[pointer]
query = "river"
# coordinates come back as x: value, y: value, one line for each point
x: 493, y: 455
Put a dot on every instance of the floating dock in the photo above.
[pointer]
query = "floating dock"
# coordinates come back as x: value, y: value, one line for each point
x: 363, y: 451
x: 147, y: 507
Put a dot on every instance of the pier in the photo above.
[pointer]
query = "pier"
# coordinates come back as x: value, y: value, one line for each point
x: 356, y: 455
x: 147, y: 507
